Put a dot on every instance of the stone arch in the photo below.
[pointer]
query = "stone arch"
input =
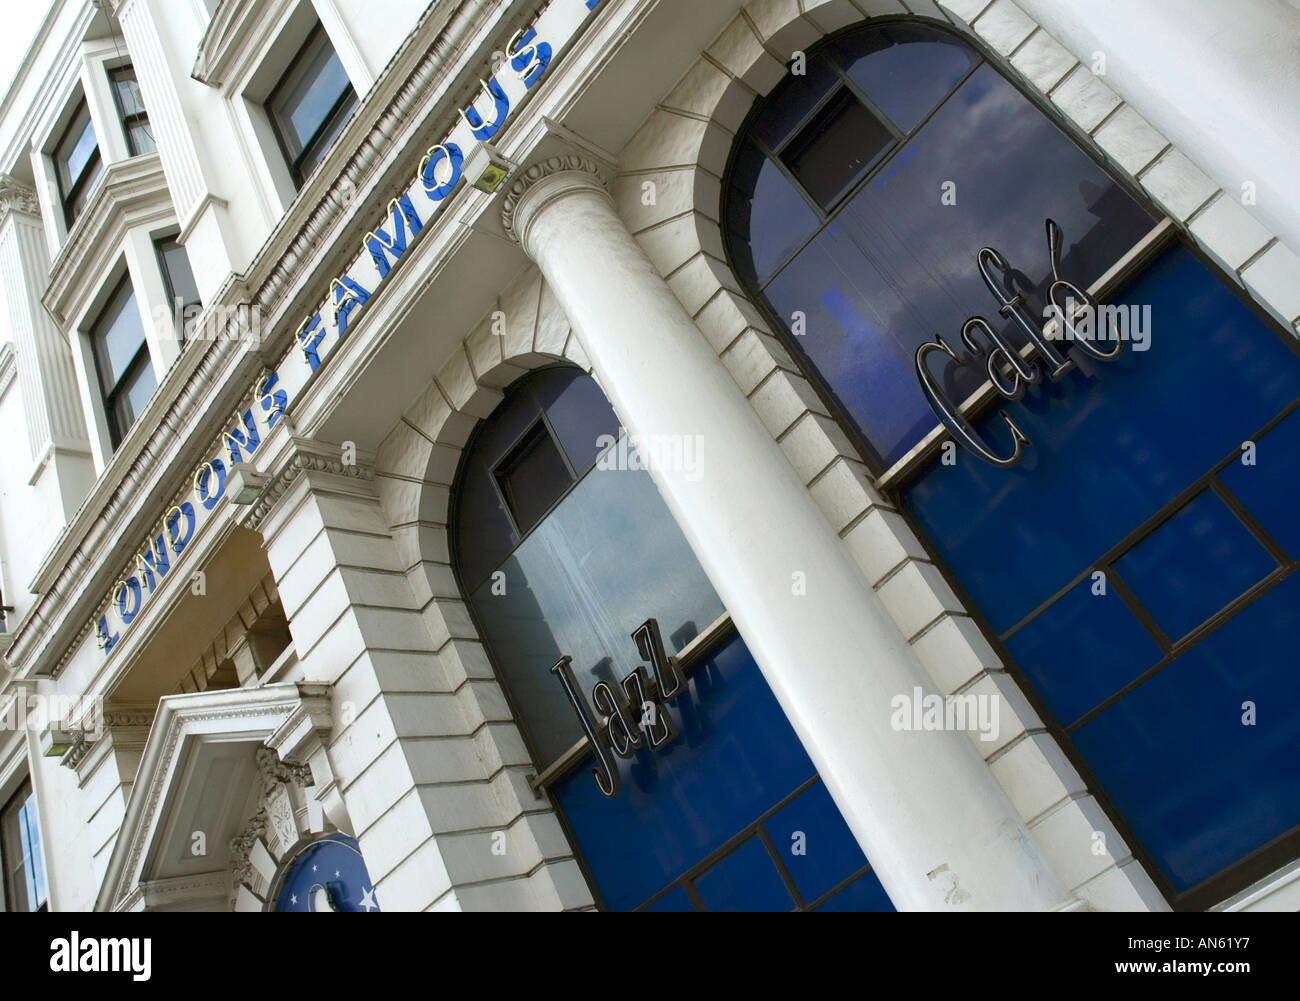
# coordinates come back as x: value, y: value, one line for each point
x: 415, y: 468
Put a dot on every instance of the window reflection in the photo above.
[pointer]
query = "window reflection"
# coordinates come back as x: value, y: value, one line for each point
x: 896, y: 265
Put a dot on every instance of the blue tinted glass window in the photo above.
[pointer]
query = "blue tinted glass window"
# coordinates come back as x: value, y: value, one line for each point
x: 768, y: 218
x: 1193, y: 565
x: 905, y: 69
x: 896, y: 265
x: 1113, y: 443
x: 1116, y: 448
x: 1083, y: 649
x: 605, y: 559
x: 794, y: 102
x: 1265, y: 482
x: 1200, y: 788
x: 736, y: 757
x: 746, y: 880
x: 816, y: 846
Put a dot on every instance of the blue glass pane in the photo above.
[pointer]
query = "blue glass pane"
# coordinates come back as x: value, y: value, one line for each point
x: 768, y: 219
x: 792, y: 102
x: 830, y: 853
x: 579, y: 415
x: 675, y: 902
x: 1082, y: 650
x: 608, y: 557
x: 897, y: 266
x: 1112, y: 443
x: 317, y: 91
x: 746, y: 880
x: 1267, y: 488
x: 905, y: 69
x: 864, y: 894
x: 735, y: 757
x: 1193, y: 565
x: 1200, y: 788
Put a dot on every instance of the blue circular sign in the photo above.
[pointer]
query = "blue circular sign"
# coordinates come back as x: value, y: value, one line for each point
x: 327, y: 875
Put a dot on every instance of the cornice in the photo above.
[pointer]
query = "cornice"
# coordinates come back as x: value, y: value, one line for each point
x: 131, y: 193
x: 233, y: 29
x: 306, y: 457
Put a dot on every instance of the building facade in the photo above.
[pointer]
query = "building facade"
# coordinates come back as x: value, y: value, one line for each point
x: 651, y: 454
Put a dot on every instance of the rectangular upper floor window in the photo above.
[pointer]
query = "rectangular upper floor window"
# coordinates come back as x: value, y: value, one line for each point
x: 130, y: 109
x: 20, y: 853
x: 182, y: 291
x: 77, y: 163
x: 310, y: 104
x: 126, y: 375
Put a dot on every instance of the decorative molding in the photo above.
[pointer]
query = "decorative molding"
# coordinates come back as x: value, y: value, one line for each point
x: 131, y: 193
x: 307, y: 457
x: 539, y: 172
x: 235, y: 25
x: 17, y: 197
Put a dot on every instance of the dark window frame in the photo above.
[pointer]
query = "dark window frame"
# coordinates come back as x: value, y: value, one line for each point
x: 302, y: 164
x: 1267, y: 858
x: 110, y: 398
x: 13, y: 804
x: 89, y: 172
x: 182, y: 330
x: 128, y: 119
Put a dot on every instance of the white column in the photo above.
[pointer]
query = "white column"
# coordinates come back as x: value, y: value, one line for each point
x: 1220, y: 80
x: 916, y: 801
x: 56, y: 425
x: 186, y: 127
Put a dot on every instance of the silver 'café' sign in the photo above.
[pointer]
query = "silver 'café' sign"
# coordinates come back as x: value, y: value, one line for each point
x: 636, y: 717
x: 1009, y: 372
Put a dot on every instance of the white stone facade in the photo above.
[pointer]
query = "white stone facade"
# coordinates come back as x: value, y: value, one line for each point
x: 313, y: 649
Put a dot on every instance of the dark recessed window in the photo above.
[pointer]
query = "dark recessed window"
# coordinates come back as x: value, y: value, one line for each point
x: 836, y: 147
x: 310, y: 105
x: 182, y: 292
x: 126, y: 376
x: 77, y: 163
x: 532, y: 476
x: 130, y: 109
x: 20, y: 853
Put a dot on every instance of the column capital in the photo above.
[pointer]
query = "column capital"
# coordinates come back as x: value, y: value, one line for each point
x: 306, y: 456
x: 15, y: 196
x: 541, y: 184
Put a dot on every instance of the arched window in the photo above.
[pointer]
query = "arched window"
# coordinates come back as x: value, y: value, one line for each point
x: 861, y: 191
x: 564, y: 549
x: 1132, y: 557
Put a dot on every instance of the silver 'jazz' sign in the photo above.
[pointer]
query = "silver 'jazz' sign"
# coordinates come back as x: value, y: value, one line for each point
x: 635, y: 717
x: 1009, y: 372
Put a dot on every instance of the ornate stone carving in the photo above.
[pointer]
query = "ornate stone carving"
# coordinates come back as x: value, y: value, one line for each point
x: 241, y: 847
x: 301, y: 462
x: 274, y: 771
x: 537, y: 172
x: 17, y: 197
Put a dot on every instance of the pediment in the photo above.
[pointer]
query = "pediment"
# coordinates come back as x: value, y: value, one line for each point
x: 201, y: 779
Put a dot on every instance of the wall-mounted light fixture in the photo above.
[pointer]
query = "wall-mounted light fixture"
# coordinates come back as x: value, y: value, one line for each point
x: 486, y: 168
x: 244, y: 483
